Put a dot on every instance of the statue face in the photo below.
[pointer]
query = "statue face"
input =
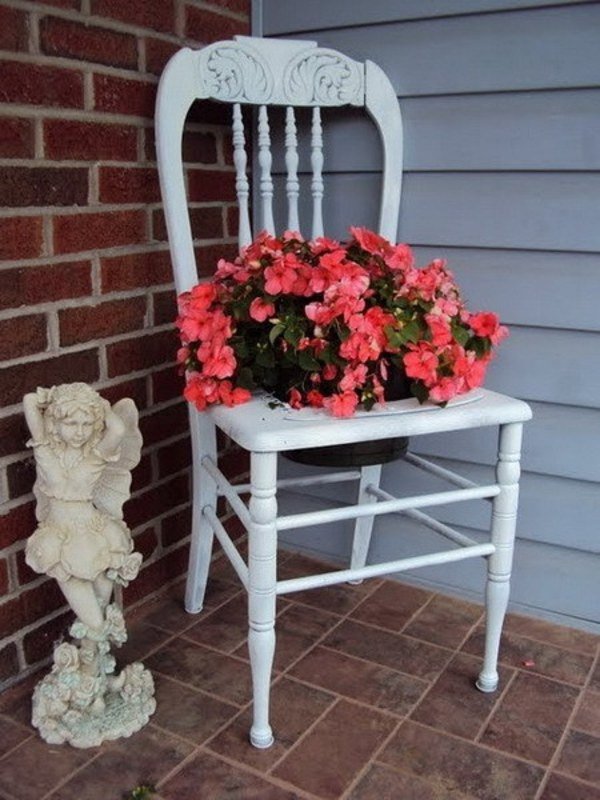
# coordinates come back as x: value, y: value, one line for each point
x: 76, y: 429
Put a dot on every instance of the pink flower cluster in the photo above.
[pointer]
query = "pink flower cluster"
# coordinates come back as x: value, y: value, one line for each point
x: 322, y: 324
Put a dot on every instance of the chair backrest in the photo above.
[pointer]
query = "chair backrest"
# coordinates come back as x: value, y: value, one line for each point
x: 270, y: 72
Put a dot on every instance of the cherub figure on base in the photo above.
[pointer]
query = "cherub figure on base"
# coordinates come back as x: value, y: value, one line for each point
x: 84, y: 452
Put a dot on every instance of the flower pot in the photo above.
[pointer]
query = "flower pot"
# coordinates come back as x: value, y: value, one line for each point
x: 361, y: 454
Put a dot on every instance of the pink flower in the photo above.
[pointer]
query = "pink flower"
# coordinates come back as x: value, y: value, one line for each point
x: 421, y: 362
x: 441, y: 335
x: 314, y: 398
x: 354, y: 378
x: 260, y: 309
x: 400, y: 258
x: 342, y: 405
x: 279, y: 278
x: 370, y: 241
x: 445, y: 389
x: 294, y: 398
x: 233, y: 397
x: 201, y: 391
x: 221, y: 363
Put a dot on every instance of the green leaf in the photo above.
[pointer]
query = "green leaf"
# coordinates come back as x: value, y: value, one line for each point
x: 460, y: 333
x: 245, y: 379
x: 419, y: 390
x: 308, y: 362
x: 265, y: 358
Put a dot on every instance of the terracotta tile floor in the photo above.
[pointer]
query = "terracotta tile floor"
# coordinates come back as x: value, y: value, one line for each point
x: 372, y: 699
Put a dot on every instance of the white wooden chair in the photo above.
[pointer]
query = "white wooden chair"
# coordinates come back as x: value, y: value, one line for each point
x: 265, y: 73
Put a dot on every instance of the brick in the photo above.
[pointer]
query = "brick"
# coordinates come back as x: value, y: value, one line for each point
x: 128, y: 185
x: 124, y: 96
x: 22, y: 336
x: 205, y: 26
x: 239, y: 6
x: 17, y: 524
x: 164, y: 424
x: 85, y: 323
x: 134, y: 389
x: 158, y: 52
x: 142, y: 474
x: 142, y: 352
x: 207, y: 257
x: 174, y: 457
x: 24, y: 573
x: 206, y: 185
x: 67, y: 139
x: 156, y: 501
x: 29, y: 606
x: 9, y: 662
x: 165, y: 308
x: 44, y: 186
x: 146, y: 542
x: 156, y: 14
x: 73, y: 4
x: 167, y: 384
x: 206, y: 223
x: 17, y: 380
x: 20, y: 476
x: 176, y: 527
x: 13, y: 435
x: 157, y: 575
x: 234, y: 463
x: 20, y: 237
x: 197, y: 147
x: 34, y: 84
x: 209, y: 112
x: 136, y: 270
x: 3, y: 576
x: 39, y: 643
x: 233, y: 220
x: 61, y: 37
x: 14, y: 29
x: 27, y: 286
x: 16, y: 138
x: 98, y: 230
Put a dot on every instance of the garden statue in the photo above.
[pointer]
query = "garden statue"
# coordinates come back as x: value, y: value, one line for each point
x: 84, y: 452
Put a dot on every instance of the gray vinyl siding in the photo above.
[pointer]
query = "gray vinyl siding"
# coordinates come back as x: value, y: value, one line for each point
x: 501, y: 109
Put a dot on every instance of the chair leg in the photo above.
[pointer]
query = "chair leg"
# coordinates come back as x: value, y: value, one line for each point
x: 363, y: 527
x: 204, y: 493
x: 262, y: 584
x: 504, y: 518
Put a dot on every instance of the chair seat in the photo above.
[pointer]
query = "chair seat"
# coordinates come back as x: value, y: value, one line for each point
x: 257, y: 427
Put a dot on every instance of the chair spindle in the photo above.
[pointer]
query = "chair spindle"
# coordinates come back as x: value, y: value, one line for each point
x: 265, y: 160
x: 292, y: 185
x: 242, y: 186
x: 316, y: 161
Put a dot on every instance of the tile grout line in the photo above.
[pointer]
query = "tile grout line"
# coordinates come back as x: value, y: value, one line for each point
x: 361, y: 773
x: 501, y: 695
x: 72, y: 774
x: 567, y: 729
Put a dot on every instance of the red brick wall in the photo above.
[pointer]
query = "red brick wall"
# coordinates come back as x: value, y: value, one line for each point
x: 85, y: 278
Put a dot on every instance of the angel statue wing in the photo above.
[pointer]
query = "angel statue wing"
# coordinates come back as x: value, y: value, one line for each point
x: 112, y: 489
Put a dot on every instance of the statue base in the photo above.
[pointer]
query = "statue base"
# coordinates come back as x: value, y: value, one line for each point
x: 82, y: 701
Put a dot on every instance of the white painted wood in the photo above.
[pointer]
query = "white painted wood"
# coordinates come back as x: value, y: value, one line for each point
x: 387, y: 506
x: 435, y: 469
x: 317, y: 186
x: 260, y: 428
x: 504, y: 520
x: 229, y: 547
x: 262, y: 581
x: 264, y: 161
x: 226, y: 489
x: 374, y: 570
x: 242, y: 186
x: 291, y: 163
x: 204, y: 497
x: 363, y: 528
x: 309, y: 480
